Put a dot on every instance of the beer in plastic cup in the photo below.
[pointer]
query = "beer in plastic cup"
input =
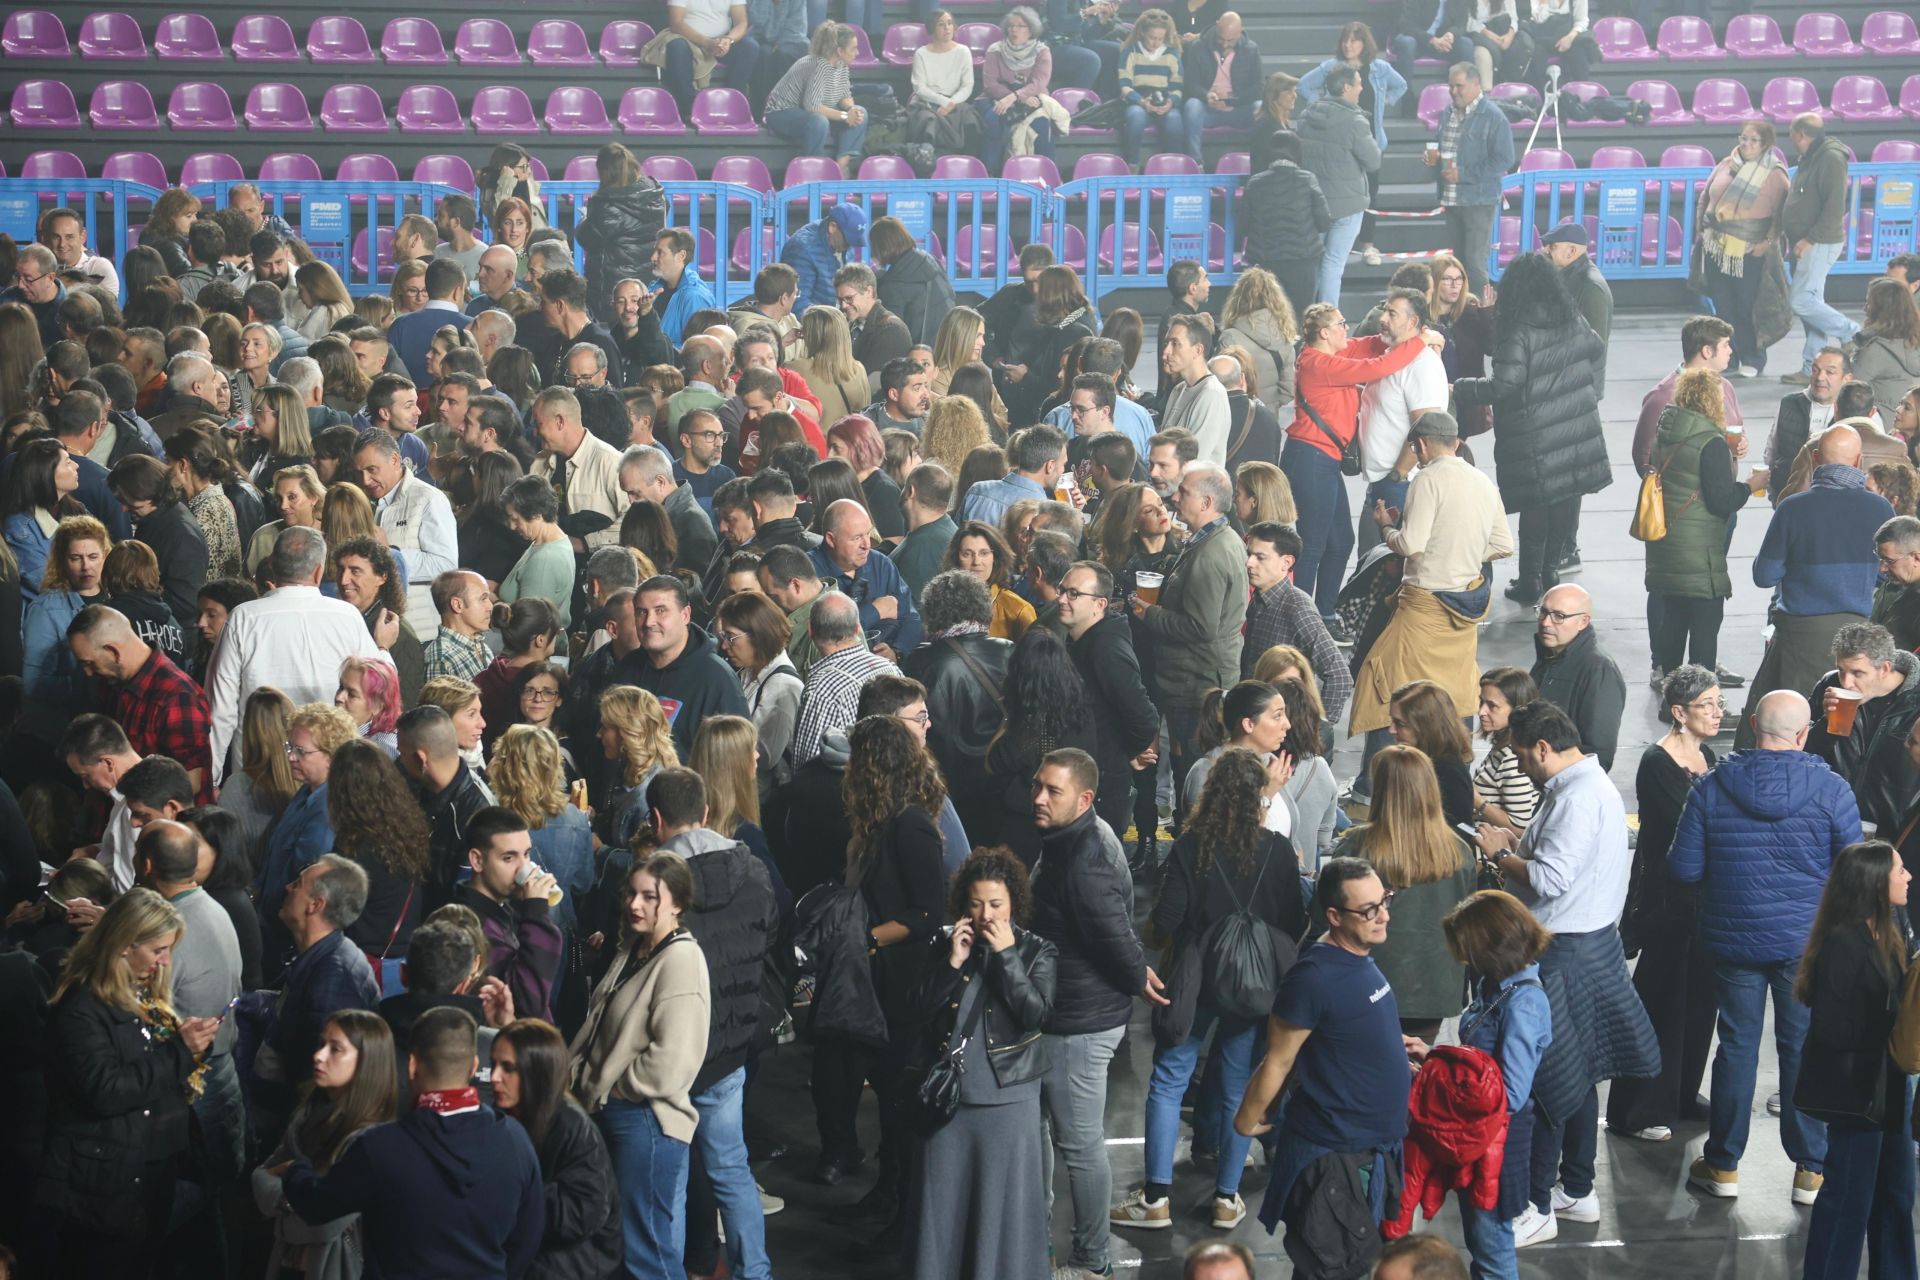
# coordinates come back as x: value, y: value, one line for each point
x: 1146, y: 586
x: 1735, y: 429
x: 1433, y: 153
x: 1846, y: 705
x: 554, y: 895
x: 1868, y: 830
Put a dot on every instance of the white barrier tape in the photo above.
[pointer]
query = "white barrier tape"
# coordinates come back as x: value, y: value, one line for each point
x: 1407, y: 213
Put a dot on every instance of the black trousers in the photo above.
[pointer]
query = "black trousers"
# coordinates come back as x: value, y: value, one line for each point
x: 1675, y: 982
x: 1733, y: 299
x: 1546, y: 533
x: 1686, y: 628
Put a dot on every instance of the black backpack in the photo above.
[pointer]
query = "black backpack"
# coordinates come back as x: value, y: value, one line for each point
x: 1244, y: 957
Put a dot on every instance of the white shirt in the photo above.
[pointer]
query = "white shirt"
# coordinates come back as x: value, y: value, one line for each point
x: 711, y: 18
x: 1386, y: 411
x: 419, y: 521
x: 1819, y: 418
x: 101, y: 269
x: 1201, y: 408
x: 116, y: 844
x: 292, y: 638
x: 1577, y: 846
x: 1453, y: 522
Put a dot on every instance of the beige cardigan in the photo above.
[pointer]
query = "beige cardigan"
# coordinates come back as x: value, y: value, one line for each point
x: 645, y: 1040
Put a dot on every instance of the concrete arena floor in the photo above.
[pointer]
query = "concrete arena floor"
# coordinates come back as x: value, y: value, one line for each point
x: 1651, y: 1226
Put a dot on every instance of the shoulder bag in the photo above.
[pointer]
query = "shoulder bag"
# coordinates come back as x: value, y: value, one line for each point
x: 1349, y: 452
x: 979, y: 673
x: 1650, y: 511
x: 936, y: 1095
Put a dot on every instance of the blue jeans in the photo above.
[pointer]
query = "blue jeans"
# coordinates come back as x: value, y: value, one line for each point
x: 1133, y: 131
x: 742, y: 64
x: 1808, y: 298
x: 815, y: 135
x: 1742, y: 993
x: 722, y: 1139
x: 995, y: 127
x: 1333, y: 260
x: 1389, y: 491
x: 1566, y: 1150
x: 1326, y: 520
x: 857, y: 11
x: 1489, y: 1241
x: 1201, y: 117
x: 1867, y: 1198
x: 651, y: 1169
x: 1173, y: 1069
x: 1075, y: 67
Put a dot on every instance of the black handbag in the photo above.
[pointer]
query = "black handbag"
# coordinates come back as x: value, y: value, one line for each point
x: 937, y: 1094
x: 1350, y: 464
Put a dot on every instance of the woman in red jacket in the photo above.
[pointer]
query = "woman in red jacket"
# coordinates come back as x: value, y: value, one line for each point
x: 1327, y: 387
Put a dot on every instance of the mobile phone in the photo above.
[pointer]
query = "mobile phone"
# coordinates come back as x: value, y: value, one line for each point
x: 222, y: 1016
x: 1468, y: 830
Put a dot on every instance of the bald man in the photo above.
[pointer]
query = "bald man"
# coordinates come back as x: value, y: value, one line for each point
x: 1575, y: 673
x: 1222, y: 73
x: 704, y: 362
x: 846, y: 557
x: 1820, y: 558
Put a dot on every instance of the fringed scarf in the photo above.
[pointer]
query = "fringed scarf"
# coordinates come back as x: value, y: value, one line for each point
x: 1736, y: 226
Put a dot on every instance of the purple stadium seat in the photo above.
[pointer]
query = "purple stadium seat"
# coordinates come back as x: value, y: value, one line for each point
x: 1650, y: 239
x: 1524, y: 94
x: 366, y: 167
x: 1100, y: 164
x: 582, y: 169
x: 972, y: 260
x: 383, y: 252
x: 902, y: 39
x: 412, y: 40
x: 1433, y: 101
x: 863, y: 50
x: 669, y: 169
x: 1721, y: 101
x: 1890, y: 31
x: 291, y: 166
x: 1035, y: 171
x: 503, y: 108
x: 126, y: 104
x: 751, y: 171
x: 34, y: 33
x: 539, y: 168
x: 886, y: 169
x: 1664, y: 100
x: 187, y: 37
x: 450, y: 171
x: 1170, y: 163
x: 1688, y: 155
x: 1234, y: 162
x: 1824, y: 35
x: 1546, y: 158
x: 1910, y: 96
x: 1076, y: 101
x: 1787, y: 96
x: 805, y: 169
x: 1130, y: 250
x: 741, y: 259
x: 46, y: 104
x: 486, y: 42
x: 977, y: 36
x: 963, y: 168
x: 1896, y: 151
x: 210, y: 166
x: 622, y: 40
x: 1756, y: 35
x: 723, y: 111
x: 113, y: 37
x: 650, y: 109
x: 276, y: 107
x: 1617, y: 158
x: 1862, y: 98
x: 1073, y: 245
x: 135, y: 166
x: 1622, y: 40
x: 558, y: 42
x: 264, y: 37
x: 1587, y: 91
x: 53, y: 165
x: 1684, y: 37
x: 352, y: 108
x: 572, y: 109
x: 428, y: 108
x: 338, y: 39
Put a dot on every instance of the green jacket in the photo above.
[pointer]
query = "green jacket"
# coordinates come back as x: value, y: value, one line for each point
x: 1196, y: 625
x: 800, y: 646
x: 1817, y: 200
x: 919, y: 554
x: 1692, y: 559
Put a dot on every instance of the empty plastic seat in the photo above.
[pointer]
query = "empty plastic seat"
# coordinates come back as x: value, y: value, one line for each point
x: 1722, y: 101
x: 46, y: 104
x: 863, y: 50
x: 1171, y: 162
x: 573, y: 109
x: 669, y: 169
x: 972, y: 259
x: 977, y: 36
x: 903, y: 38
x: 126, y: 104
x: 1687, y: 155
x: 1756, y: 35
x: 412, y: 40
x: 264, y: 37
x: 1890, y: 31
x: 558, y: 42
x: 503, y: 108
x: 964, y: 168
x: 112, y: 37
x: 1617, y: 158
x: 1910, y: 96
x: 428, y: 108
x: 1234, y: 162
x: 1100, y: 164
x: 382, y: 251
x: 1433, y: 101
x: 1824, y: 35
x: 1547, y: 158
x: 723, y: 111
x: 1787, y: 96
x: 187, y: 37
x: 649, y: 109
x: 1862, y: 98
x: 450, y: 171
x: 1896, y: 151
x: 352, y: 108
x: 366, y: 167
x: 290, y: 166
x: 277, y: 107
x: 486, y: 42
x: 741, y: 260
x: 622, y: 40
x: 582, y: 169
x: 134, y: 166
x: 1130, y: 249
x: 1508, y: 244
x: 1685, y: 37
x: 1072, y: 245
x: 34, y: 33
x: 1077, y: 100
x: 1663, y: 100
x: 751, y: 171
x: 1035, y: 171
x: 210, y: 166
x: 886, y: 169
x: 805, y: 169
x: 1622, y: 40
x: 338, y: 39
x: 53, y: 164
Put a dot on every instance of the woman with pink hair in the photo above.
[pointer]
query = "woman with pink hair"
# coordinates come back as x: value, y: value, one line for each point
x: 856, y: 439
x: 370, y: 694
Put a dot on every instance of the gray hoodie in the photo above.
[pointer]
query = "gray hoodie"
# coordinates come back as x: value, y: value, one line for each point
x: 1272, y: 353
x: 1337, y: 147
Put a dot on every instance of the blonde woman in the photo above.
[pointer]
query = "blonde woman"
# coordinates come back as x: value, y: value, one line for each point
x: 529, y: 778
x: 726, y: 756
x: 835, y: 376
x: 961, y: 340
x: 260, y: 345
x: 296, y: 493
x: 634, y: 734
x: 408, y: 292
x: 122, y: 1067
x: 346, y: 514
x: 1262, y: 493
x: 280, y: 436
x: 325, y: 297
x: 955, y: 427
x: 257, y: 792
x: 460, y: 699
x: 1259, y: 317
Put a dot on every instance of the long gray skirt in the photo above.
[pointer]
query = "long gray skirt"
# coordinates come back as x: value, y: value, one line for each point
x: 979, y: 1208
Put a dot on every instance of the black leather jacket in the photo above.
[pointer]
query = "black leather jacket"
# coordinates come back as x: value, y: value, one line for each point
x: 966, y: 717
x: 1019, y: 995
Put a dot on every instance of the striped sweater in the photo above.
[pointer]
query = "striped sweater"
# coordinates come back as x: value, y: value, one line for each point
x: 1143, y: 73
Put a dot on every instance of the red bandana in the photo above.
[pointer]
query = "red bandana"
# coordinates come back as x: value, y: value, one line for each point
x: 448, y: 1101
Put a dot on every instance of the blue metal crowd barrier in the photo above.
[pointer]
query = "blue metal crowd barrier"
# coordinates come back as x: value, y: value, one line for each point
x: 1135, y: 226
x: 102, y: 203
x: 348, y: 225
x: 950, y: 219
x: 729, y: 225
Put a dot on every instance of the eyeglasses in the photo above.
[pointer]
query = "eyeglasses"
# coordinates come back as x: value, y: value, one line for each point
x: 708, y: 436
x: 297, y: 752
x: 542, y: 695
x: 921, y: 717
x: 1702, y: 704
x: 1893, y: 559
x: 1070, y: 594
x: 24, y: 280
x: 1077, y: 409
x: 727, y: 639
x: 1372, y: 910
x: 1557, y: 617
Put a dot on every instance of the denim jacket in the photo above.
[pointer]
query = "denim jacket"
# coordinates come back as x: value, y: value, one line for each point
x: 1388, y: 88
x: 1486, y: 152
x: 1513, y: 1024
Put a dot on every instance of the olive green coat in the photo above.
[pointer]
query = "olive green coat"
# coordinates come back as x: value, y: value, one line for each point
x: 1692, y: 559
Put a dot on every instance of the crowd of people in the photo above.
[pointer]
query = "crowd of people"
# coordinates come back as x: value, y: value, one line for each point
x: 454, y: 738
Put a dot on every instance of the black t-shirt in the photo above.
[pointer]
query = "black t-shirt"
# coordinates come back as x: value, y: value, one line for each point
x: 1352, y: 1072
x: 154, y: 622
x: 883, y: 504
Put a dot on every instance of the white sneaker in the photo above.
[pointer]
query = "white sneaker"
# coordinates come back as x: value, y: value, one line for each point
x: 1138, y: 1211
x: 770, y: 1204
x: 1228, y: 1212
x: 1584, y: 1208
x: 1653, y: 1133
x: 1534, y: 1227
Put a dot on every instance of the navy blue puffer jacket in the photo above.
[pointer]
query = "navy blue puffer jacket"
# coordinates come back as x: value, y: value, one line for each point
x: 1759, y: 833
